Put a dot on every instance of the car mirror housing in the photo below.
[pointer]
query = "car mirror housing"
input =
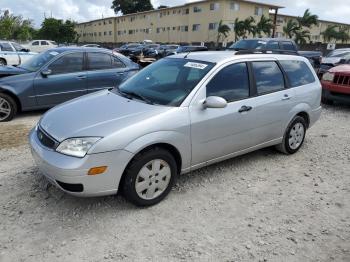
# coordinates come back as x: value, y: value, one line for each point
x: 46, y: 72
x: 214, y: 102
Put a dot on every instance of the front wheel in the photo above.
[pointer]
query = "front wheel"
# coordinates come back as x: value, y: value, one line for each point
x: 150, y: 177
x: 294, y: 136
x: 8, y: 108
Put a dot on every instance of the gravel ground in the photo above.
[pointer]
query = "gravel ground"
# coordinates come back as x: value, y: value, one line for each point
x: 263, y: 206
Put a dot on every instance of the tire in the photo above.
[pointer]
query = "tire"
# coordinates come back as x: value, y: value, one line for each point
x: 2, y: 62
x: 8, y: 108
x: 294, y: 136
x: 142, y: 173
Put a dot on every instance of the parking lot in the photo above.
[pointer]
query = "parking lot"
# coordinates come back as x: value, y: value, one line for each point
x: 263, y: 206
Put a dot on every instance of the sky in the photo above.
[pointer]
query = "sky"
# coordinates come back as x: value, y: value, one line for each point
x: 85, y: 10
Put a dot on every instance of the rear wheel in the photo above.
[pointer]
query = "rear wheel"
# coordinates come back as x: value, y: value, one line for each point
x: 294, y: 136
x: 2, y: 62
x: 150, y: 177
x: 8, y: 108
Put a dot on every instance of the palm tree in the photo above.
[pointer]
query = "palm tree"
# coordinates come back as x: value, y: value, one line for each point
x: 249, y: 26
x: 223, y: 31
x: 291, y: 28
x: 301, y: 35
x: 343, y: 34
x: 239, y: 29
x: 265, y: 26
x: 308, y: 20
x: 330, y: 33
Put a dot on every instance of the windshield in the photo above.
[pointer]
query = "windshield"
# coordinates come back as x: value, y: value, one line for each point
x: 18, y: 47
x: 248, y: 44
x: 342, y: 54
x: 166, y: 82
x: 37, y: 61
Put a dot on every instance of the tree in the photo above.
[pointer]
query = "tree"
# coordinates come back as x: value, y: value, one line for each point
x: 301, y: 36
x: 223, y: 31
x: 343, y: 34
x: 15, y: 27
x: 307, y: 20
x: 265, y: 26
x: 131, y: 6
x: 58, y: 30
x: 331, y: 33
x: 249, y: 27
x: 291, y: 28
x: 239, y: 29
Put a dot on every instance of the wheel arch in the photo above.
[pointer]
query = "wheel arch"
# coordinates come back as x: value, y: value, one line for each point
x: 13, y: 96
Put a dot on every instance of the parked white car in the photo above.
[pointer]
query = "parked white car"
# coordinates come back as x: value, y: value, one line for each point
x: 14, y: 54
x: 41, y: 45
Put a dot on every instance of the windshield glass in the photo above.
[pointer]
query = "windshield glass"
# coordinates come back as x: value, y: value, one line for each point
x: 248, y: 44
x: 37, y: 61
x: 339, y: 54
x: 166, y: 82
x: 18, y: 47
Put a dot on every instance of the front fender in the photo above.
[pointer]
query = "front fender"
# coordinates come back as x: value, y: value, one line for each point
x: 178, y: 140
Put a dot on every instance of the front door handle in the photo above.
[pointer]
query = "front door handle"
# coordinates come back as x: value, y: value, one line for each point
x: 245, y: 109
x: 81, y: 77
x: 286, y: 97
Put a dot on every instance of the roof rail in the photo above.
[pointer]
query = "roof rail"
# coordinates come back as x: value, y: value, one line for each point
x: 255, y: 51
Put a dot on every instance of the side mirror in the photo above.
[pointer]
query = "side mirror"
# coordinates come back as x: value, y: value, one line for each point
x: 25, y: 50
x: 214, y: 102
x: 46, y: 72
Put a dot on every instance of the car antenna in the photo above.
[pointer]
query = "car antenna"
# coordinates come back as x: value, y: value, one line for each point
x: 187, y: 54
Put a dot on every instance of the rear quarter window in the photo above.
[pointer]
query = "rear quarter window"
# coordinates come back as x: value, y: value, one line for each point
x: 298, y: 72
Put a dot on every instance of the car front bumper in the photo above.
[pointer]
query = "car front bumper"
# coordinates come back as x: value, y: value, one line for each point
x: 70, y: 174
x: 334, y: 92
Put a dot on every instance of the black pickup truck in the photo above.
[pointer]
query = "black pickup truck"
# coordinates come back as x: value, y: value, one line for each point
x: 276, y: 45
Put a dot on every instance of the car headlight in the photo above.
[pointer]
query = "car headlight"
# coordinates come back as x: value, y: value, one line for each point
x: 77, y: 147
x: 328, y: 77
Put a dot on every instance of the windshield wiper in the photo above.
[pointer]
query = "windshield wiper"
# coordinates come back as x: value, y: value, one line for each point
x: 132, y: 94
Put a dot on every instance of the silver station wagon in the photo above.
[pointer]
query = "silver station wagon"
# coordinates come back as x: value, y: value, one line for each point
x: 179, y: 114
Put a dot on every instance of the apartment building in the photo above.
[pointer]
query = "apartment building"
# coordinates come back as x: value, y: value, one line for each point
x: 190, y: 23
x: 315, y: 31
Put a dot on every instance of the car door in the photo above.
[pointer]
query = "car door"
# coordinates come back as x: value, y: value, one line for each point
x: 44, y: 45
x: 272, y: 103
x: 217, y: 132
x: 35, y: 46
x: 104, y: 71
x: 61, y: 80
x: 9, y: 53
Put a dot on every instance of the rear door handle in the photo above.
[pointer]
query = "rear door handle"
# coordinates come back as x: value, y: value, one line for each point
x: 245, y: 109
x: 286, y: 97
x: 81, y: 77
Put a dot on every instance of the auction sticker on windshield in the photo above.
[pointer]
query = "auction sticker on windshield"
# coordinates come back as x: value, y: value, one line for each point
x: 195, y: 65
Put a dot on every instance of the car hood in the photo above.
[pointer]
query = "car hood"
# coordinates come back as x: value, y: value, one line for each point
x: 11, y: 70
x: 98, y: 114
x: 340, y: 69
x: 331, y: 60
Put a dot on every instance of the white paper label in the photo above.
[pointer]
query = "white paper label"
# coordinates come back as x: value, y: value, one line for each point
x: 195, y: 65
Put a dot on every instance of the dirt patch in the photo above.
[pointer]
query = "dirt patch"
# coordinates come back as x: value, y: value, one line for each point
x: 13, y: 135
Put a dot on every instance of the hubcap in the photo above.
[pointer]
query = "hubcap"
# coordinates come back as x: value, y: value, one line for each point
x: 153, y: 179
x: 5, y: 108
x: 296, y: 136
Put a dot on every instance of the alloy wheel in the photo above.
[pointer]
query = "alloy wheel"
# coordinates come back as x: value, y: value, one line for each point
x: 296, y: 136
x: 5, y: 109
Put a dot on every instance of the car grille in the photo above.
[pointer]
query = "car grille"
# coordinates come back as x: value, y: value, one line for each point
x: 46, y: 140
x: 341, y: 79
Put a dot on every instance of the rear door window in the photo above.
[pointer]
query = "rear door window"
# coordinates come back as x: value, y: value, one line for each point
x: 35, y: 43
x: 268, y: 77
x: 288, y: 46
x: 5, y: 47
x: 298, y: 72
x: 231, y: 83
x: 272, y: 45
x: 99, y: 61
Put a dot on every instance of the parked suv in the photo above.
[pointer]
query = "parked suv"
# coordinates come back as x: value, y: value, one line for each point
x: 181, y: 113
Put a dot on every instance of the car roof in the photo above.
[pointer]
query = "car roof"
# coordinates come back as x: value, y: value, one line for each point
x: 226, y: 56
x: 269, y: 39
x: 78, y: 48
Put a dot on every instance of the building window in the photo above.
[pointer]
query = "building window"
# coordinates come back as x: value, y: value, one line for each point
x: 158, y: 30
x: 258, y: 11
x: 184, y: 28
x: 196, y: 27
x: 185, y: 11
x: 104, y: 33
x: 213, y: 26
x: 234, y: 6
x: 197, y: 9
x: 99, y: 33
x: 214, y: 6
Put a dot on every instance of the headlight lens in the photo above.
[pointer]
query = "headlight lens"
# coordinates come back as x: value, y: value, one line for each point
x: 77, y: 147
x: 328, y: 76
